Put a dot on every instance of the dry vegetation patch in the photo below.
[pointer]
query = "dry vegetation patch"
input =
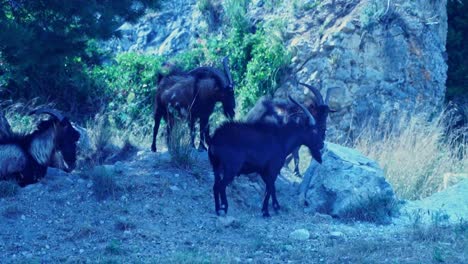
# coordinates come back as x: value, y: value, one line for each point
x: 416, y: 154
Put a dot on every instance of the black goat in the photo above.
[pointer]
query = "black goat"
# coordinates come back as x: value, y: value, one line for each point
x: 194, y: 95
x: 25, y: 158
x: 242, y: 148
x: 281, y: 111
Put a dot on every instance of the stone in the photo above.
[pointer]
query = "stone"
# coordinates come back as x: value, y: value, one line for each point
x: 450, y: 205
x: 336, y: 235
x: 228, y: 221
x: 348, y: 185
x: 300, y: 234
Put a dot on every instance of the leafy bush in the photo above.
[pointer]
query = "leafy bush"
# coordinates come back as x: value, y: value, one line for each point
x: 128, y: 85
x: 256, y: 56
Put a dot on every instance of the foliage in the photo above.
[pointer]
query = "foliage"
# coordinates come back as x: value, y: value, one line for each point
x: 457, y: 75
x: 256, y: 53
x: 46, y: 44
x: 127, y: 86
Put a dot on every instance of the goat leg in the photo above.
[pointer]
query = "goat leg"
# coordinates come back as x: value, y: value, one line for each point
x: 157, y: 121
x: 216, y: 196
x: 274, y: 201
x: 204, y: 133
x: 192, y: 132
x: 224, y: 202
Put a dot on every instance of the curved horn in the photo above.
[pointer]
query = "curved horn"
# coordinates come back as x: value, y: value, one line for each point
x: 316, y: 92
x: 227, y: 71
x: 51, y: 112
x: 308, y: 114
x: 327, y: 97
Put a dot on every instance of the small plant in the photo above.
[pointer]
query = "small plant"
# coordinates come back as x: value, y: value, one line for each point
x: 372, y: 209
x: 123, y: 224
x: 180, y: 146
x: 8, y: 189
x: 12, y: 212
x: 373, y: 12
x: 437, y: 255
x: 190, y: 257
x: 114, y: 247
x: 104, y: 184
x: 204, y: 6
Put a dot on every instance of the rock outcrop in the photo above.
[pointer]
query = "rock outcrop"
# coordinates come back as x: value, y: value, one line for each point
x: 385, y: 57
x: 170, y: 30
x: 348, y: 185
x: 449, y: 205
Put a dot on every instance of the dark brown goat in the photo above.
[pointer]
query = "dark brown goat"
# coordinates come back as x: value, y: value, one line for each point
x: 25, y: 158
x: 242, y: 148
x: 281, y: 111
x: 193, y: 95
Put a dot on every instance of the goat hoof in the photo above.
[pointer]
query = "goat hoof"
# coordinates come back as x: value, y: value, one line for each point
x: 221, y: 213
x: 153, y: 148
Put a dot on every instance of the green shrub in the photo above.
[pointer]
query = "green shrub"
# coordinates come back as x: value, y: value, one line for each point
x: 104, y: 184
x: 255, y: 57
x: 128, y: 85
x: 8, y: 189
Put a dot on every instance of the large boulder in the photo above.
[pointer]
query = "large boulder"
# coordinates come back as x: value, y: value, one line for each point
x: 449, y: 205
x: 348, y: 185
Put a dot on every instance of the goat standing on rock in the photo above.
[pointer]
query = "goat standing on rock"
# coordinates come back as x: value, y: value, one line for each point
x: 194, y: 95
x: 243, y: 148
x: 25, y: 158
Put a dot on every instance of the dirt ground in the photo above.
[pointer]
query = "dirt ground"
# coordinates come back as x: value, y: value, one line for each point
x: 156, y: 213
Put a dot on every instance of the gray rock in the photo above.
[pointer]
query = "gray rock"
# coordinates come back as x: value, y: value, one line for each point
x: 348, y: 185
x: 300, y: 234
x: 449, y: 205
x: 228, y: 221
x: 336, y: 235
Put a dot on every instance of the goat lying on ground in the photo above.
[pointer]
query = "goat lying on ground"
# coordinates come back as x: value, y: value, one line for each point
x: 193, y: 95
x: 25, y: 158
x: 242, y: 148
x: 281, y: 111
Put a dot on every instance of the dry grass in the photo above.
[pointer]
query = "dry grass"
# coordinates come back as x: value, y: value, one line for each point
x: 416, y: 154
x: 180, y: 147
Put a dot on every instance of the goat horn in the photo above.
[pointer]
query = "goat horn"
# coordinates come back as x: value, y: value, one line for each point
x: 227, y: 71
x: 51, y: 112
x: 316, y: 92
x: 308, y: 114
x: 327, y: 97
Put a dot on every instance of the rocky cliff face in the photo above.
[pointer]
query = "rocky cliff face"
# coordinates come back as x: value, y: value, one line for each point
x: 385, y: 57
x: 167, y: 31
